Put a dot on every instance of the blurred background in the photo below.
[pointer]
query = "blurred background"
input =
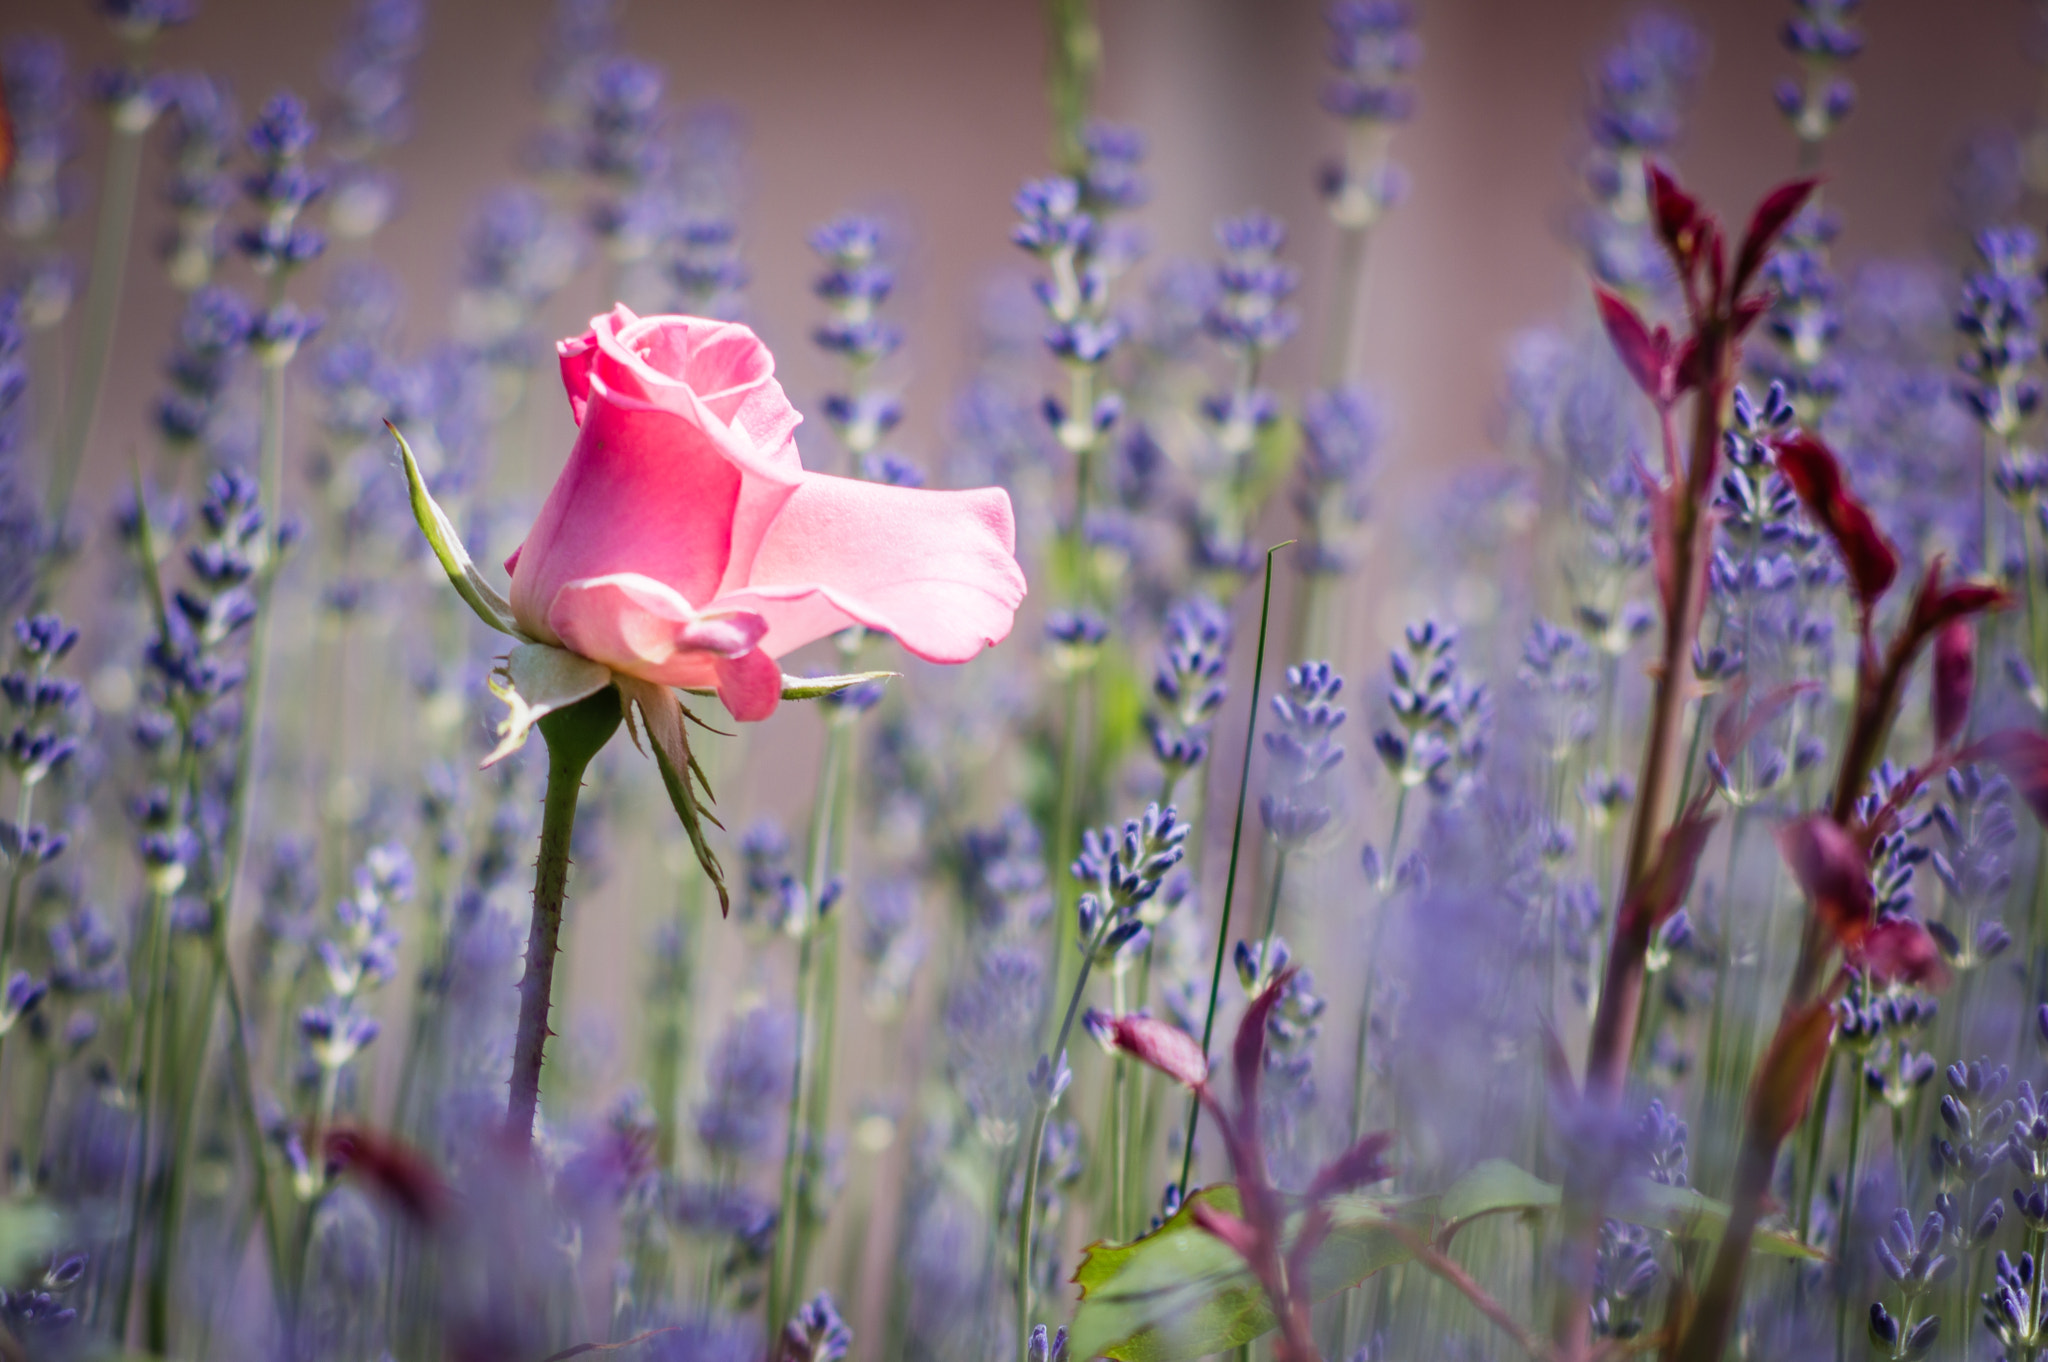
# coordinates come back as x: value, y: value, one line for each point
x: 929, y: 114
x: 932, y: 112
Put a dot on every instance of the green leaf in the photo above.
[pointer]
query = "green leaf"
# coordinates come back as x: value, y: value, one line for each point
x: 490, y: 607
x: 28, y: 1231
x: 1491, y: 1188
x: 1497, y: 1185
x: 1180, y: 1293
x: 814, y: 687
x: 1272, y: 460
x: 1691, y: 1215
x: 534, y: 681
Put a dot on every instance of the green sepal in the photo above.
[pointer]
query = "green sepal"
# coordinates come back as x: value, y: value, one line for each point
x: 812, y: 687
x: 490, y: 607
x: 664, y: 715
x: 537, y: 680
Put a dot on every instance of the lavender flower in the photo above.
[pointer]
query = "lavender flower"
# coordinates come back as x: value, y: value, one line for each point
x: 747, y: 1086
x: 1375, y: 51
x: 1341, y: 432
x: 35, y: 73
x: 1302, y: 750
x: 281, y: 189
x: 1188, y: 684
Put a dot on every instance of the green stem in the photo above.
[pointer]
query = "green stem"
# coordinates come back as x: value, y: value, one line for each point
x: 1816, y: 1138
x: 574, y: 735
x: 1272, y: 916
x: 1066, y: 825
x: 1858, y: 1101
x: 184, y: 1126
x: 1121, y: 1115
x: 1244, y: 780
x: 102, y: 310
x: 1340, y: 351
x: 783, y: 1263
x: 1032, y: 1153
x: 24, y: 806
x: 149, y: 1074
x: 1392, y: 857
x: 1074, y: 59
x: 244, y: 1065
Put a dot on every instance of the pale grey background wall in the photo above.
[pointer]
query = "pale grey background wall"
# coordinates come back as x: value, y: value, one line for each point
x: 932, y: 110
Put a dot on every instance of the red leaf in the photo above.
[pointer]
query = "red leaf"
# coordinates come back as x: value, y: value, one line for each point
x: 1830, y: 866
x: 1899, y: 949
x: 1688, y: 366
x: 1935, y: 605
x: 1676, y: 212
x: 1670, y: 876
x: 1737, y: 725
x: 1238, y: 1234
x: 1745, y: 313
x: 1165, y: 1047
x: 1816, y: 476
x: 1778, y: 208
x: 400, y: 1173
x: 1248, y: 1052
x: 2022, y: 757
x: 1790, y: 1068
x: 1646, y: 354
x: 1363, y: 1163
x: 1955, y: 674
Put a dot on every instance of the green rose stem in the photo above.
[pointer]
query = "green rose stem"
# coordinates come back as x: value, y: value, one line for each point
x: 574, y: 735
x: 129, y: 128
x: 1244, y: 780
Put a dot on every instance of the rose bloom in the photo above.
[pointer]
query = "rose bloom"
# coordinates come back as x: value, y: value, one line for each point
x: 684, y: 543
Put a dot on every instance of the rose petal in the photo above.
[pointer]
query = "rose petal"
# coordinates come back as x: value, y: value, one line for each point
x: 643, y: 628
x: 727, y: 635
x: 934, y: 569
x: 750, y: 685
x: 642, y: 493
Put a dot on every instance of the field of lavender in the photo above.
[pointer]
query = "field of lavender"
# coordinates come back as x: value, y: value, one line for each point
x: 1655, y: 963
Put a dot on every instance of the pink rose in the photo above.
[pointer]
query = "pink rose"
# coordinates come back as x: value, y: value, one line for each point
x: 685, y: 544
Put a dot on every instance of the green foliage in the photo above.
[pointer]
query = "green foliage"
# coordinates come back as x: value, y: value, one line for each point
x: 28, y: 1231
x: 1179, y: 1293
